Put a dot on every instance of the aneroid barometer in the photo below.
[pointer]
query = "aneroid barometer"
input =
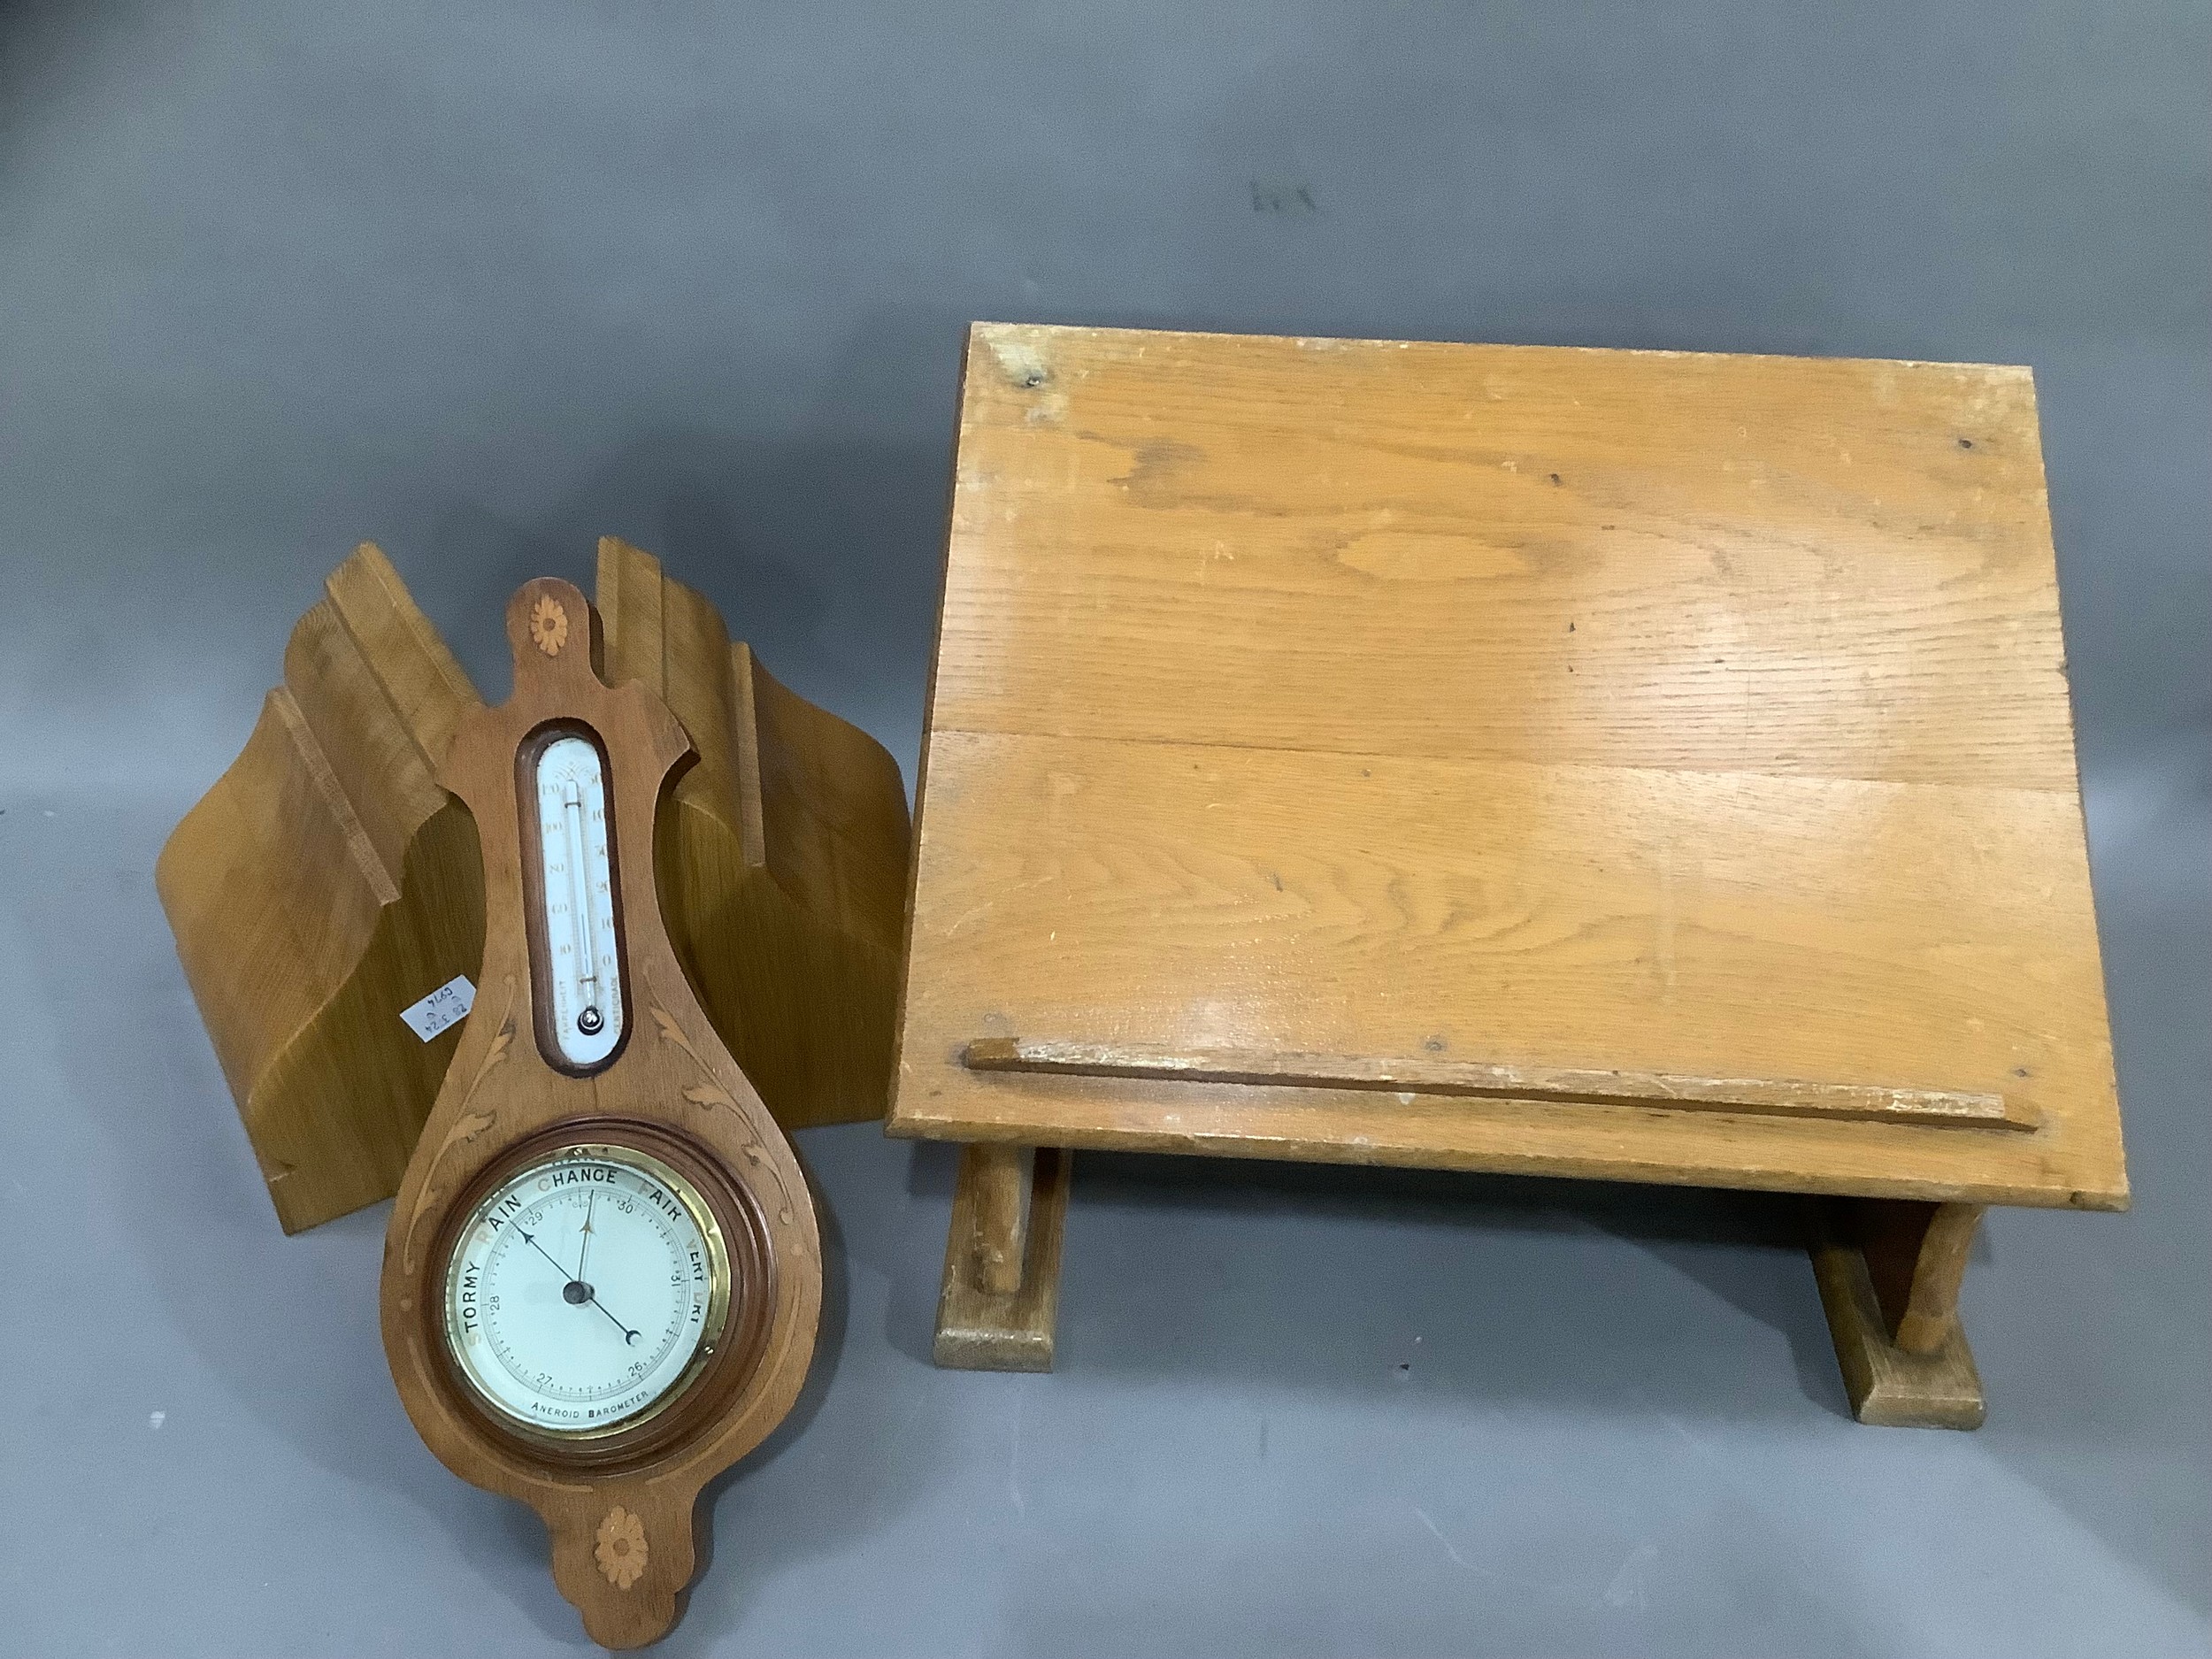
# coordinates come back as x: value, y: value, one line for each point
x: 603, y: 1275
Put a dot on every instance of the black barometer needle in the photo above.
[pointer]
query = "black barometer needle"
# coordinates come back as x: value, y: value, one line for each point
x: 532, y: 1242
x: 628, y: 1335
x: 576, y: 1292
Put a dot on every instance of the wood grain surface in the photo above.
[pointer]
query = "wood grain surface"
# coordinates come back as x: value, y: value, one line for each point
x: 325, y: 883
x: 782, y: 855
x: 1559, y: 711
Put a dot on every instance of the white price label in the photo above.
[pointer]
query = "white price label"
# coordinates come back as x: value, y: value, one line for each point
x: 448, y: 1005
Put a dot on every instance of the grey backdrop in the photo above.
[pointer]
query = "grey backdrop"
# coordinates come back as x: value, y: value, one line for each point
x: 482, y: 281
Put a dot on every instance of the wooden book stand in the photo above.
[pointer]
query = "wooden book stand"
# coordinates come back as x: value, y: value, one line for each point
x: 327, y: 882
x: 1644, y: 766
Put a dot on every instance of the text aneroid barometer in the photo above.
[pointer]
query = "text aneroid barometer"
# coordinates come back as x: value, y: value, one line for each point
x: 603, y: 1274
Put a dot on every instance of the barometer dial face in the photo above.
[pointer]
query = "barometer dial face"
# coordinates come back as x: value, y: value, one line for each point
x: 586, y: 1290
x: 576, y: 894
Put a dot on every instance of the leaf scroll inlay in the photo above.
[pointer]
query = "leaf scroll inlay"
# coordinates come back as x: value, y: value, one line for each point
x: 710, y: 1095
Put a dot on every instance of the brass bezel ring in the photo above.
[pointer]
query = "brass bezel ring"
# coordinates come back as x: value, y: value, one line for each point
x: 741, y: 1292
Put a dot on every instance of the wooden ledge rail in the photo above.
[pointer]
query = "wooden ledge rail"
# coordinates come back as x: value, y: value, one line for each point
x: 1855, y: 1102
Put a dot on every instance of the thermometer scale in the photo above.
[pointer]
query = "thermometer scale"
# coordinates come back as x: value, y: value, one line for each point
x: 576, y: 910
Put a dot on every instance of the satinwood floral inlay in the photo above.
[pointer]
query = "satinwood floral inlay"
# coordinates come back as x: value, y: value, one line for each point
x: 621, y: 1552
x: 548, y: 625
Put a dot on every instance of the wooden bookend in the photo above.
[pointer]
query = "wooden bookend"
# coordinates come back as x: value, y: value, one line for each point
x: 783, y: 852
x: 324, y: 884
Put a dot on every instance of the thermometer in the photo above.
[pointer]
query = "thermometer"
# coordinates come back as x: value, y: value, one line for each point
x: 576, y: 903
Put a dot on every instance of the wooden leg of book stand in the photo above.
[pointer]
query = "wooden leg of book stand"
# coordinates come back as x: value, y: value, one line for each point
x: 1889, y: 1272
x: 1002, y: 1295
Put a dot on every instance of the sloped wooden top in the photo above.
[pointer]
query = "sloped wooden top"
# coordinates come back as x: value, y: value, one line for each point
x: 1644, y: 765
